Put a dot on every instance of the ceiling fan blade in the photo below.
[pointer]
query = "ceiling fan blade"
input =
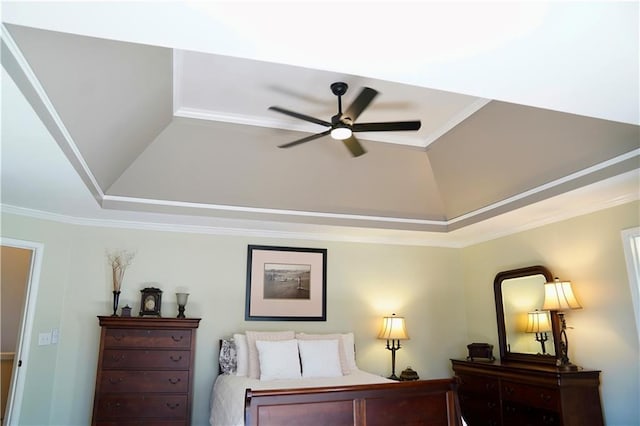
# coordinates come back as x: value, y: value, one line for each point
x: 353, y: 145
x: 361, y: 102
x: 387, y: 126
x: 305, y: 139
x: 300, y: 116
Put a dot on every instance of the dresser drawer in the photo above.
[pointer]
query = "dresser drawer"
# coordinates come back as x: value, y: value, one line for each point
x: 518, y: 414
x: 142, y: 407
x: 476, y: 384
x: 145, y: 359
x: 534, y: 396
x: 144, y: 381
x: 479, y: 411
x: 147, y: 338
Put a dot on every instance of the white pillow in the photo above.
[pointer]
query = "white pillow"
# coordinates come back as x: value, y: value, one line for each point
x: 345, y: 348
x: 278, y: 359
x: 320, y: 358
x: 350, y: 351
x: 252, y: 336
x: 242, y: 354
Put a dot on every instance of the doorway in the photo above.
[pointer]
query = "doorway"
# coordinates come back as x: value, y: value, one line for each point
x: 20, y: 263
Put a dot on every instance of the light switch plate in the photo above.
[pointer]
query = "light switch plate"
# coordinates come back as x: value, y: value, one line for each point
x: 44, y: 339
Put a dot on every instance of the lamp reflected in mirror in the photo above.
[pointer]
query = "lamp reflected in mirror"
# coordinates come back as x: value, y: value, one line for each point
x: 558, y: 296
x: 538, y: 322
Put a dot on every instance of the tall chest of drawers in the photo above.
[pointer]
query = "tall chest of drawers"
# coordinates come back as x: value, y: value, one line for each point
x: 145, y: 371
x: 495, y: 394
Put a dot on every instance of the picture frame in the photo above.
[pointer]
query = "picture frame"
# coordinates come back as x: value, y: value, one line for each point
x: 286, y: 284
x: 150, y: 301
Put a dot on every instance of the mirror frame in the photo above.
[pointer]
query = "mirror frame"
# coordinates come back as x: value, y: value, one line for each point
x: 502, y: 336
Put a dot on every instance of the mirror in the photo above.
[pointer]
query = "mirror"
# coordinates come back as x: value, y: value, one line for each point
x: 518, y: 293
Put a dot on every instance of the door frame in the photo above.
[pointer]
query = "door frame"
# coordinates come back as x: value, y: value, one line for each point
x: 16, y: 390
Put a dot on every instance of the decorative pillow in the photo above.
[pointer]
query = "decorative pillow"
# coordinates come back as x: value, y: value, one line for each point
x: 227, y: 357
x: 342, y: 347
x: 320, y: 358
x: 242, y: 353
x: 252, y: 336
x: 278, y: 359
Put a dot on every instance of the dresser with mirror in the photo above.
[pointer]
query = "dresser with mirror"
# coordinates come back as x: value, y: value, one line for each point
x: 527, y: 385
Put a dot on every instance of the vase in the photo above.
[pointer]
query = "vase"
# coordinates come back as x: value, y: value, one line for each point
x: 116, y: 297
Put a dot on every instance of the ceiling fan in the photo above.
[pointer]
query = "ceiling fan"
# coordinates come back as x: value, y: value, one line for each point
x: 342, y: 125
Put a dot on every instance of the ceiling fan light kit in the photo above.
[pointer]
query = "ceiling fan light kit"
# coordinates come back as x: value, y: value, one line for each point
x: 343, y: 125
x: 341, y: 133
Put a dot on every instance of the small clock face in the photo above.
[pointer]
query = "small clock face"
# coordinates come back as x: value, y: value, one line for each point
x: 149, y: 303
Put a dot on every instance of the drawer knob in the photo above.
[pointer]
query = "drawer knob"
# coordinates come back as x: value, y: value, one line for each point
x: 508, y: 389
x: 174, y: 381
x: 117, y: 357
x: 118, y: 337
x: 173, y: 406
x: 177, y: 339
x: 545, y: 398
x: 491, y: 405
x: 115, y: 381
x: 176, y: 358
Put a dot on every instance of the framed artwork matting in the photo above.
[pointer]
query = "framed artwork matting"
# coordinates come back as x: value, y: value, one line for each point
x: 286, y: 284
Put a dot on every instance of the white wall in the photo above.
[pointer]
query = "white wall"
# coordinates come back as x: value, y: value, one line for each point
x: 588, y: 251
x: 365, y: 282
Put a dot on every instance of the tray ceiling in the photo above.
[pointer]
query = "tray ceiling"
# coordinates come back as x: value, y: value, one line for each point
x: 155, y: 128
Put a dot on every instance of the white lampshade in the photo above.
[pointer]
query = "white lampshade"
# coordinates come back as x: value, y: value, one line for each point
x: 182, y: 298
x: 538, y: 322
x: 558, y: 296
x: 393, y: 328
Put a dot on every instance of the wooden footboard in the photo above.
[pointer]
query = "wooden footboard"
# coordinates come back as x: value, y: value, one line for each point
x: 422, y: 402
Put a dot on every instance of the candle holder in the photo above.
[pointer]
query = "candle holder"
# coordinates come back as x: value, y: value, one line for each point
x: 116, y: 298
x: 182, y: 302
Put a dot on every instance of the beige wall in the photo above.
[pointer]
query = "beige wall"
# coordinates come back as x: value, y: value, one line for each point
x: 446, y: 296
x: 587, y: 251
x: 15, y: 268
x: 364, y: 283
x: 16, y: 265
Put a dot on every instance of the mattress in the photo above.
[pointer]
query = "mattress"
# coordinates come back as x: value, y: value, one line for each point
x: 227, y: 396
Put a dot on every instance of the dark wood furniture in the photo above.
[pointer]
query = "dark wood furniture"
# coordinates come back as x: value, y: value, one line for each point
x: 513, y: 277
x: 421, y: 402
x: 145, y: 371
x: 514, y: 393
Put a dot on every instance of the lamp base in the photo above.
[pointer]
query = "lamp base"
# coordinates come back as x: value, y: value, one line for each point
x: 394, y: 377
x: 180, y: 311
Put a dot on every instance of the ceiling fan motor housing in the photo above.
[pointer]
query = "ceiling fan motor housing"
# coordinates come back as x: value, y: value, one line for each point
x: 339, y: 88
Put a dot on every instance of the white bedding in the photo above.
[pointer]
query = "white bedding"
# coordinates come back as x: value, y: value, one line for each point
x: 227, y: 397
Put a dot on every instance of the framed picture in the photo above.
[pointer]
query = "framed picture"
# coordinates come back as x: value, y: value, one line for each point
x: 286, y: 284
x: 150, y: 301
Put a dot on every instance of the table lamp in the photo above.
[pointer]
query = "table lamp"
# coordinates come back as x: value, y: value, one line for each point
x: 558, y: 296
x: 393, y: 330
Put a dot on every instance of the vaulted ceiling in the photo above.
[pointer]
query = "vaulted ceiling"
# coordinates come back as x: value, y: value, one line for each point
x: 158, y: 127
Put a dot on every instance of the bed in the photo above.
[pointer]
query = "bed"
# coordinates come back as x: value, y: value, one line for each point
x: 348, y: 396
